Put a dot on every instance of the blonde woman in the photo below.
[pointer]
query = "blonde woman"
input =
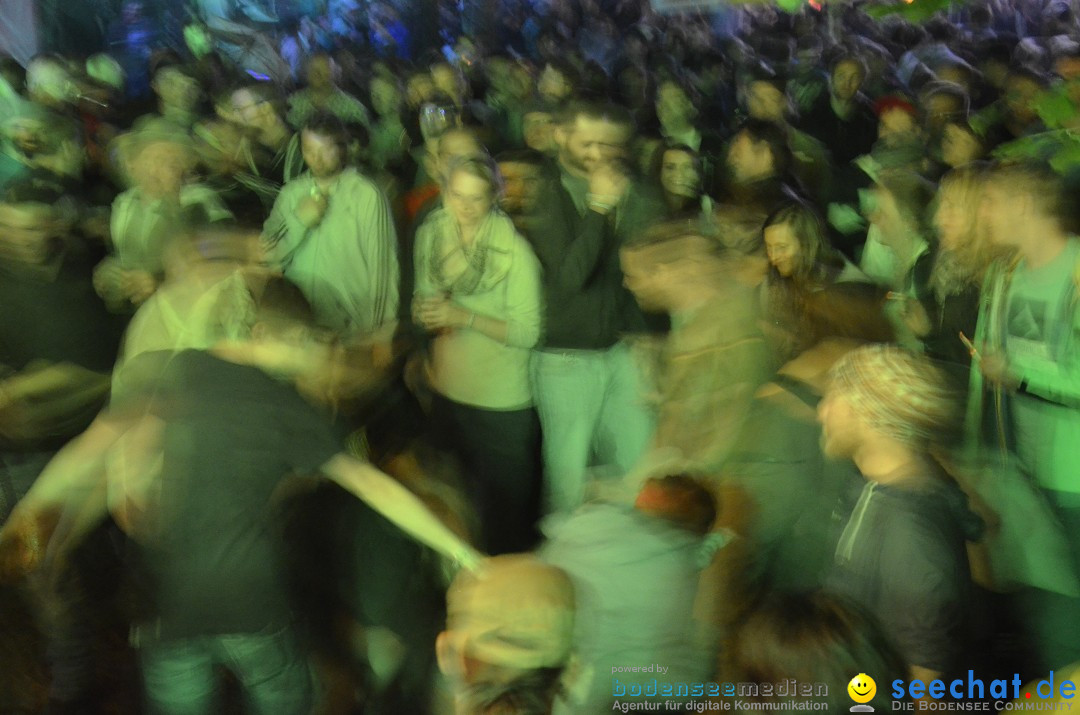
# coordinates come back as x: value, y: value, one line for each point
x: 478, y: 295
x: 964, y: 255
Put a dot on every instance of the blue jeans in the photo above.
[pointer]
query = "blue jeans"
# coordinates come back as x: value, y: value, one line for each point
x: 179, y: 675
x: 592, y: 413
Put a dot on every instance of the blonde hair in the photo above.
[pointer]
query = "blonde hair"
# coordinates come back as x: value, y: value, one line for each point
x: 965, y: 264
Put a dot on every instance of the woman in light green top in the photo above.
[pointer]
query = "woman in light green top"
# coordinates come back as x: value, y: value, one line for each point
x: 478, y: 294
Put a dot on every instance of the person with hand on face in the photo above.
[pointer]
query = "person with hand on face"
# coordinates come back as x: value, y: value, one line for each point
x: 332, y: 233
x: 478, y: 294
x: 587, y: 388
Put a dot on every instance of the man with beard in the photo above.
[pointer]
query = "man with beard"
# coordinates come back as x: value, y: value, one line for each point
x: 585, y: 383
x: 332, y: 233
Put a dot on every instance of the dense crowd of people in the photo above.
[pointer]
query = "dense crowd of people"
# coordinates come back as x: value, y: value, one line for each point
x: 745, y: 346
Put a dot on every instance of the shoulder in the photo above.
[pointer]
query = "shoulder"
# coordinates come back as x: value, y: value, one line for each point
x: 124, y: 200
x: 363, y: 187
x: 519, y: 248
x: 919, y: 528
x: 301, y: 184
x: 426, y: 230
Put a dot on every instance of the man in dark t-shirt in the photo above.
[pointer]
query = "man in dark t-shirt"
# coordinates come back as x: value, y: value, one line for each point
x: 227, y: 426
x: 231, y: 433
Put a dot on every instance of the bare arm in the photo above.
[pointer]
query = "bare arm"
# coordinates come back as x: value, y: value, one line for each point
x: 72, y: 485
x: 388, y: 497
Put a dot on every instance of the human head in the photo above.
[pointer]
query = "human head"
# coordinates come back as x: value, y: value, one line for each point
x: 897, y: 118
x: 60, y: 148
x: 283, y: 338
x: 883, y: 394
x: 758, y: 151
x: 538, y: 128
x: 675, y: 106
x: 634, y: 85
x: 447, y: 79
x: 1023, y: 199
x: 419, y: 89
x: 956, y: 214
x: 557, y: 82
x: 960, y: 145
x: 30, y: 228
x: 669, y: 264
x: 678, y: 171
x: 158, y: 161
x: 508, y: 636
x: 590, y: 134
x: 1022, y: 88
x: 965, y: 251
x: 473, y: 187
x: 795, y: 241
x: 386, y: 96
x: 176, y: 88
x: 438, y: 116
x: 679, y: 499
x: 994, y: 60
x: 49, y: 82
x: 256, y: 106
x: 766, y: 99
x: 453, y: 145
x: 847, y: 76
x: 319, y: 72
x: 942, y: 102
x: 324, y: 143
x: 958, y: 73
x: 816, y: 638
x: 106, y: 71
x: 522, y: 176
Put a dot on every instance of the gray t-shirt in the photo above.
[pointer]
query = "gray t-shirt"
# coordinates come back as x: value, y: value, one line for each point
x: 1039, y: 313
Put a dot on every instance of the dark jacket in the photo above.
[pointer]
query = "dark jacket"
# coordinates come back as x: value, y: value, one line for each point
x: 587, y: 307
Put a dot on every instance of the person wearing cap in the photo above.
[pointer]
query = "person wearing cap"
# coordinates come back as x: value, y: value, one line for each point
x: 509, y: 633
x: 902, y: 551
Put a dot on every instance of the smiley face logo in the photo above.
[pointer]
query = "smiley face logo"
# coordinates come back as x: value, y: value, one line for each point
x: 862, y: 688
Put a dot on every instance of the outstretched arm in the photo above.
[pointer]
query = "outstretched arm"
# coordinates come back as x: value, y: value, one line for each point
x: 387, y: 496
x: 73, y: 483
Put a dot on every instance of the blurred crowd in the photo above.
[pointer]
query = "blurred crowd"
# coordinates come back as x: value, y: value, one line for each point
x: 339, y: 373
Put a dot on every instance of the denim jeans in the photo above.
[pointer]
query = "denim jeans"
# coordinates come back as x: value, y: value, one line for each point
x: 593, y: 413
x: 179, y: 675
